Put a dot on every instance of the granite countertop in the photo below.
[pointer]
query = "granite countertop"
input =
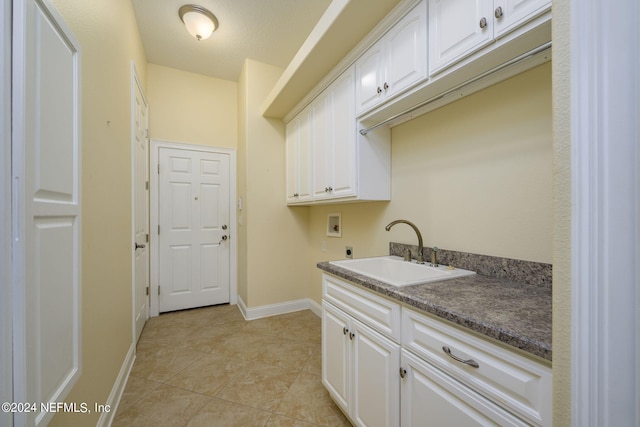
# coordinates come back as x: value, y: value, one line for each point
x: 513, y: 313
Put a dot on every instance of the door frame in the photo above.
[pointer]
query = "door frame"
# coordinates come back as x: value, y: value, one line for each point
x: 135, y: 82
x: 154, y: 152
x: 6, y: 273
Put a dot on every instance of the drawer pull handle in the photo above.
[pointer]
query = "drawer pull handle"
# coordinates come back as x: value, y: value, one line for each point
x: 469, y: 362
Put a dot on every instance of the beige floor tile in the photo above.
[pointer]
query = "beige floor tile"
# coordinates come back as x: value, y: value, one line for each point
x: 164, y: 362
x: 228, y: 414
x: 301, y: 326
x: 208, y: 375
x: 285, y: 353
x: 164, y: 406
x: 313, y: 365
x: 308, y: 400
x: 135, y: 390
x: 278, y: 420
x: 259, y: 387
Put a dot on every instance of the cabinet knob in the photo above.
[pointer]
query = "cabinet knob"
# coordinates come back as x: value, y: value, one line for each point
x: 351, y: 336
x: 344, y: 331
x: 498, y: 13
x: 296, y: 195
x: 403, y: 372
x: 379, y: 90
x: 328, y: 189
x: 386, y: 86
x: 483, y: 23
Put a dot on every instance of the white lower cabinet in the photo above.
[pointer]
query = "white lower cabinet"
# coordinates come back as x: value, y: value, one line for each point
x: 360, y: 369
x: 436, y: 374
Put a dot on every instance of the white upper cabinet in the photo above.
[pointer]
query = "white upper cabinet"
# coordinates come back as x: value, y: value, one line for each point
x: 327, y: 159
x: 458, y: 28
x: 298, y: 161
x: 396, y: 62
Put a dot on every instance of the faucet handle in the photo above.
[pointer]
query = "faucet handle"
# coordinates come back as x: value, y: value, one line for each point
x: 434, y: 257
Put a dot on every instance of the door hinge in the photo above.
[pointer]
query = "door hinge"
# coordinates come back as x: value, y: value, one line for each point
x: 158, y: 290
x: 158, y: 168
x: 146, y: 185
x: 158, y: 229
x: 146, y: 237
x: 146, y: 133
x: 147, y: 290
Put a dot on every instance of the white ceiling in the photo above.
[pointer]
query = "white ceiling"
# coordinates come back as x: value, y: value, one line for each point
x: 269, y: 31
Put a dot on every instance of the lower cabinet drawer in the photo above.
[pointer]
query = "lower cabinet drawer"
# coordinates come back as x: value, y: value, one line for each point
x: 376, y: 312
x: 515, y: 382
x: 431, y: 397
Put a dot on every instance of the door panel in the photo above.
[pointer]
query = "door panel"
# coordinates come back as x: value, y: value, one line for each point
x: 193, y: 217
x: 140, y: 209
x: 47, y: 207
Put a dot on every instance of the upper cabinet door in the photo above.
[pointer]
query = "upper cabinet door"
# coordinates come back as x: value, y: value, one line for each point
x: 510, y: 14
x: 406, y: 55
x: 457, y: 28
x: 342, y: 121
x: 396, y: 62
x: 370, y: 77
x: 298, y: 160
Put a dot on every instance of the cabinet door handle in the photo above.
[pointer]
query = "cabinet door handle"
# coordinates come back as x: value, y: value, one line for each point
x: 469, y: 362
x: 386, y: 86
x: 498, y: 13
x: 344, y: 331
x: 351, y: 336
x: 379, y: 90
x: 483, y: 23
x: 403, y: 372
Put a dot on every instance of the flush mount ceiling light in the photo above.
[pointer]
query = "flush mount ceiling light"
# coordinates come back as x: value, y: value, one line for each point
x: 199, y: 21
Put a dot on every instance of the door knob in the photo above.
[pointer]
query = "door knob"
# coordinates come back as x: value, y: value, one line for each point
x: 139, y: 246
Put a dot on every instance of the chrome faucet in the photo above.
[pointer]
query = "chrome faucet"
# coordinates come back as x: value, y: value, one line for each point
x: 420, y: 258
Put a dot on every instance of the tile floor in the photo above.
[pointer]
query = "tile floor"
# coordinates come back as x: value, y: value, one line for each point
x: 210, y: 367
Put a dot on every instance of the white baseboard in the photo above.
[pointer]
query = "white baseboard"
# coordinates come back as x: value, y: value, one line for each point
x: 106, y: 418
x: 254, y: 313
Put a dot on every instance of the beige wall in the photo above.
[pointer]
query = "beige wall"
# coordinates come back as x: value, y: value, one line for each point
x: 106, y: 192
x: 562, y: 350
x: 191, y: 108
x: 274, y: 241
x: 474, y: 176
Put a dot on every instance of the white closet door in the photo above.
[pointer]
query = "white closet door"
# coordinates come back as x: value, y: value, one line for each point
x: 47, y: 207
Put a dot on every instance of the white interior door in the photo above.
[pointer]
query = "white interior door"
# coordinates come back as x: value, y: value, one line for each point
x: 193, y: 220
x: 46, y: 209
x: 140, y: 208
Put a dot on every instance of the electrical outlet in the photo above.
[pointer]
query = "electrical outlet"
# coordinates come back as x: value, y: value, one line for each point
x: 349, y: 252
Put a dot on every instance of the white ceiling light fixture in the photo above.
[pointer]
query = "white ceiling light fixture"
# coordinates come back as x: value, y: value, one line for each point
x: 199, y: 21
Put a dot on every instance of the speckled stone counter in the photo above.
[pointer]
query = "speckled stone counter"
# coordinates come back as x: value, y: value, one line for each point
x: 514, y: 313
